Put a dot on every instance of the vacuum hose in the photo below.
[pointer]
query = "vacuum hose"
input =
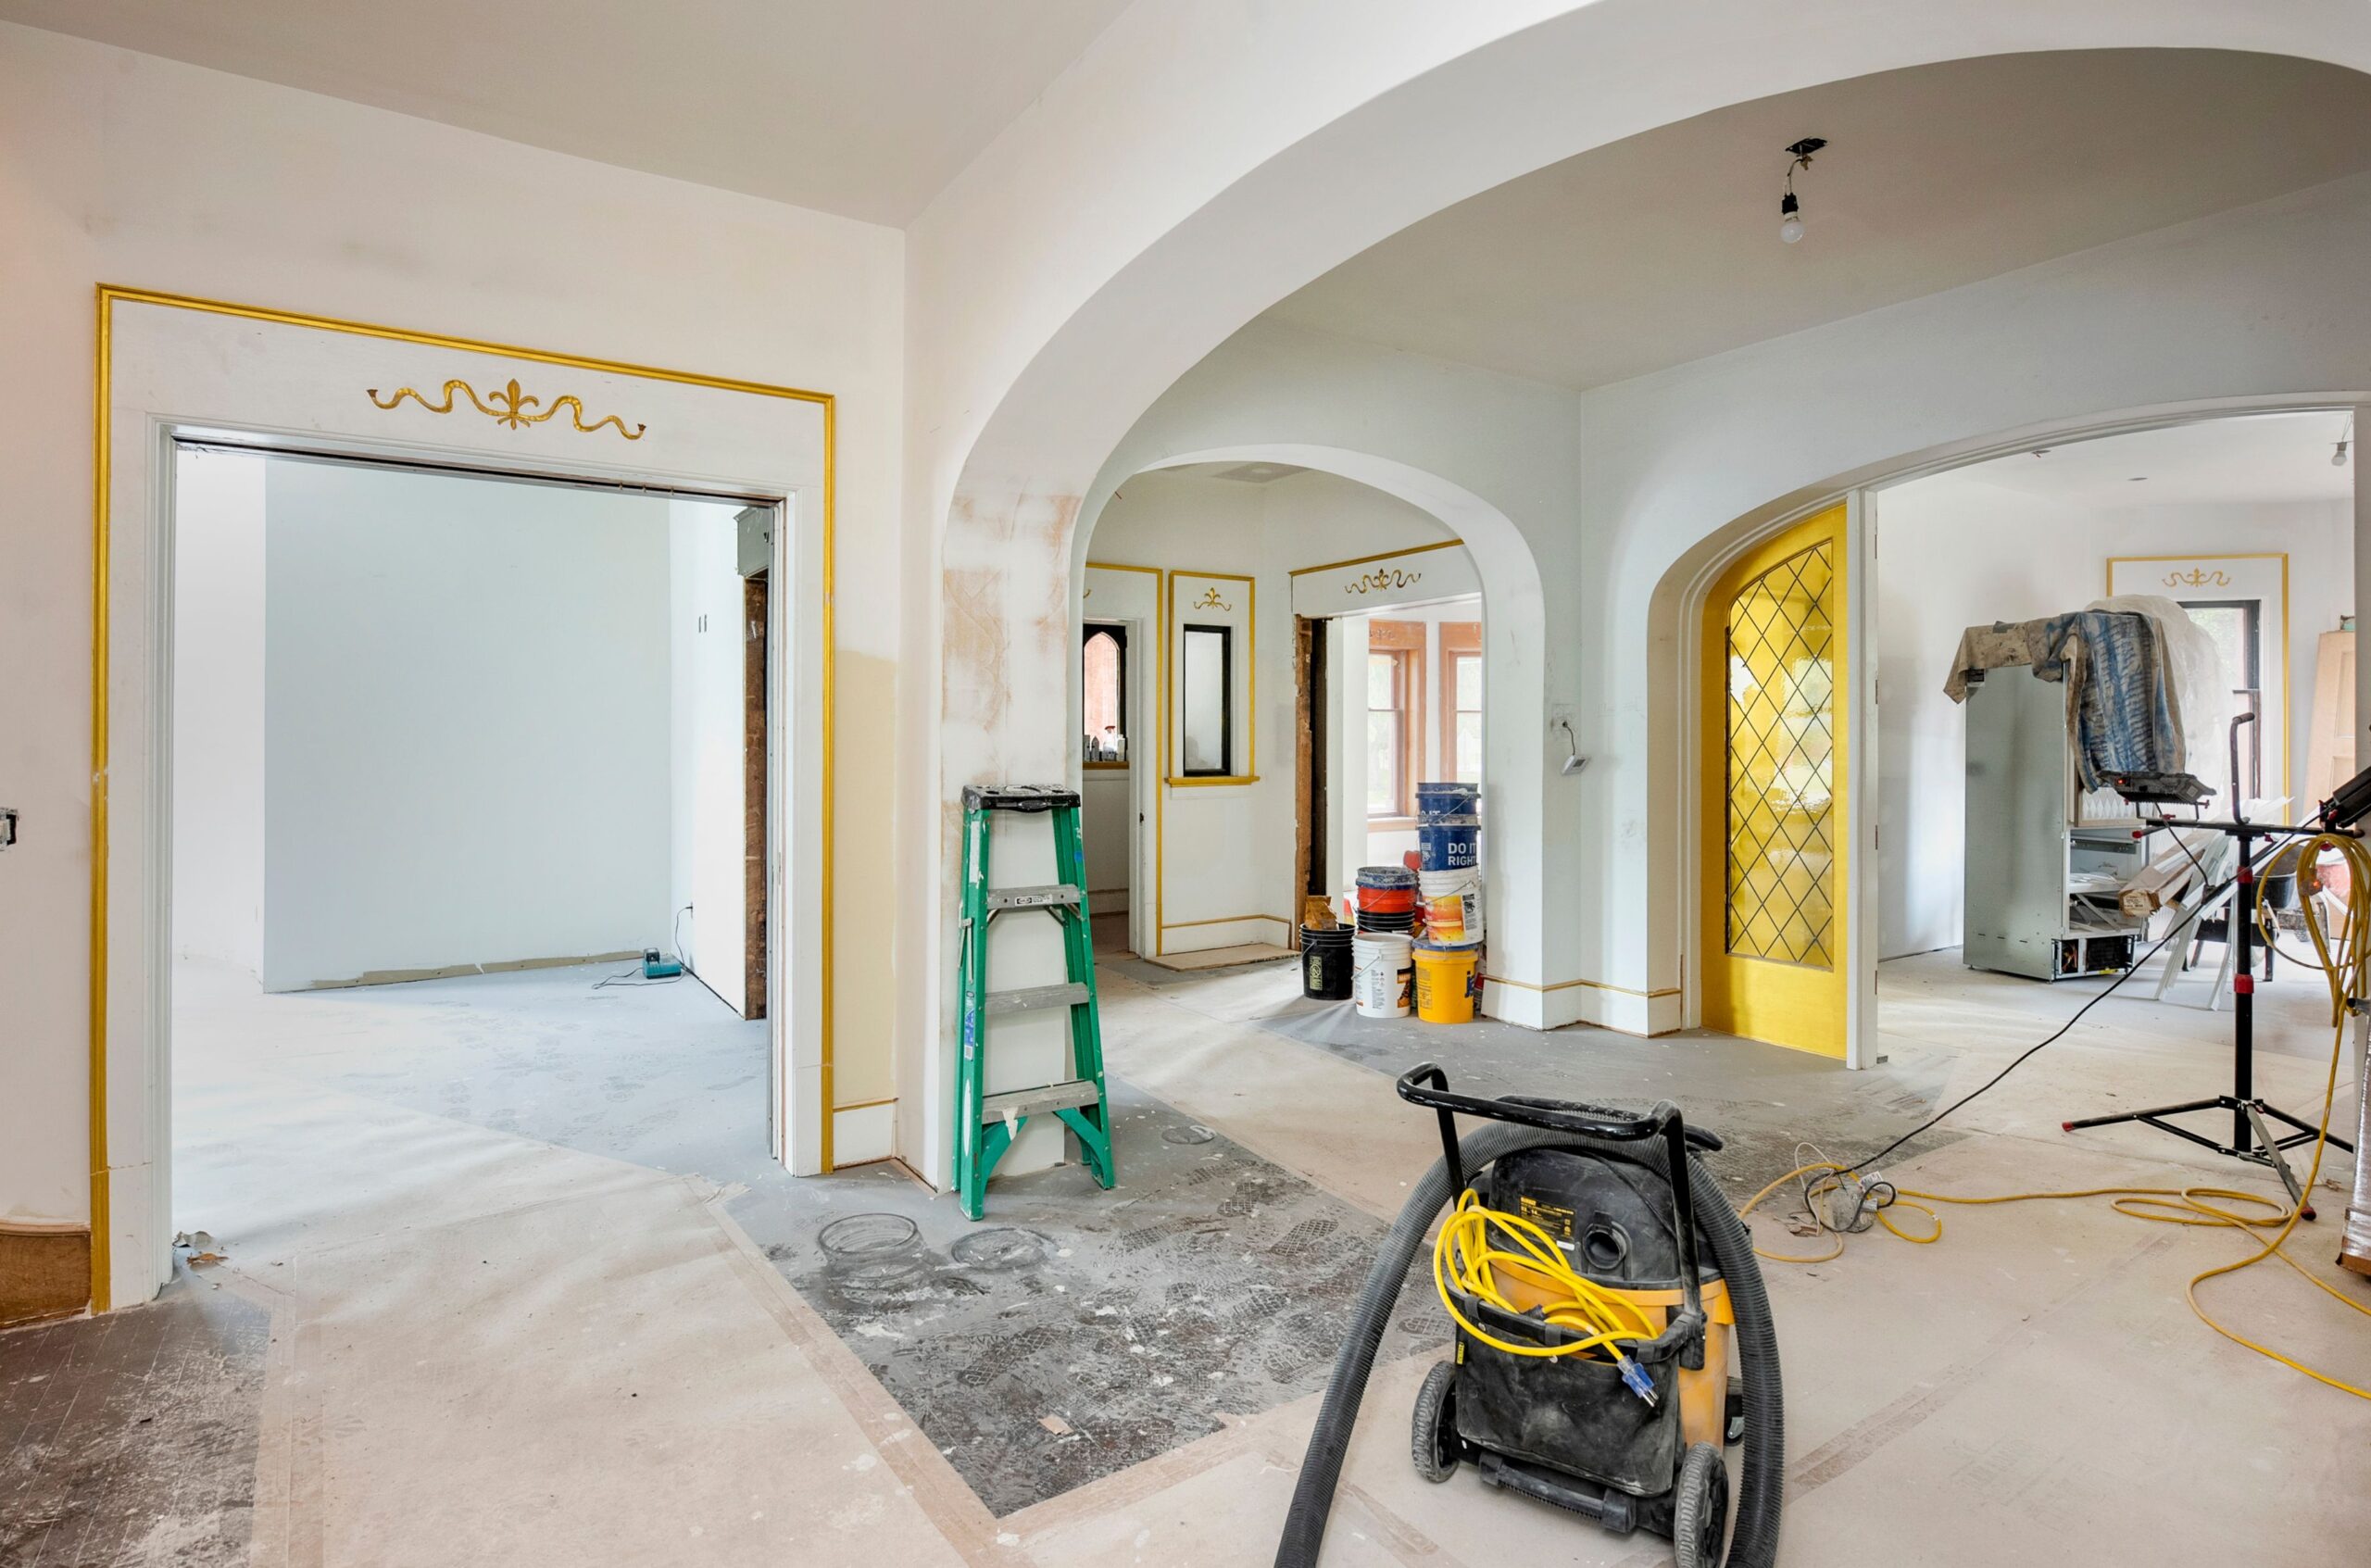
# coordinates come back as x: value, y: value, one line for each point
x: 1761, y: 1494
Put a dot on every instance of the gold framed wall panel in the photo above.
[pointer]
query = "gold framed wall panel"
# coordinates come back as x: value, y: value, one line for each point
x: 1171, y: 628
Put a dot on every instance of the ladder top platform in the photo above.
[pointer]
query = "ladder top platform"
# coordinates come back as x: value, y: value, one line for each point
x: 1018, y: 798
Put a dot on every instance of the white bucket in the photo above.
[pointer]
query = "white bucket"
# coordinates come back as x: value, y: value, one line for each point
x: 1464, y: 885
x: 1382, y: 974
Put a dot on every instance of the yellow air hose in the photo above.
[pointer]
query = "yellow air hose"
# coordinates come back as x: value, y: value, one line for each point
x: 2348, y: 969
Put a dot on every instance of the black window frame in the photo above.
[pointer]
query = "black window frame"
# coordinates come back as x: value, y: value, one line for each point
x: 1117, y: 633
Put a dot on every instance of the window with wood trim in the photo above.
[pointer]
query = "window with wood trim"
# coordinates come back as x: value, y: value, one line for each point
x: 1460, y: 709
x: 1395, y: 717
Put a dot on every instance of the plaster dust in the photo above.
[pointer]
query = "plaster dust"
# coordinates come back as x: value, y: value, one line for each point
x: 488, y: 1332
x: 496, y: 1319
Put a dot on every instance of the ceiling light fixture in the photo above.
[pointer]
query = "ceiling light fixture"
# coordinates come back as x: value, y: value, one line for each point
x: 1790, y: 211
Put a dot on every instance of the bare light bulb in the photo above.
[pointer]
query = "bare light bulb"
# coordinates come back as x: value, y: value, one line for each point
x: 1791, y: 218
x: 2338, y: 458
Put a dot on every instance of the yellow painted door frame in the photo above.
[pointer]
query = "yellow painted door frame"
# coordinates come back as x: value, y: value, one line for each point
x: 1775, y: 705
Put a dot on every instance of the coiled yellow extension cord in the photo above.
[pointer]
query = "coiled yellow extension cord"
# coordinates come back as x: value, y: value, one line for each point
x: 2348, y: 969
x: 1464, y: 1256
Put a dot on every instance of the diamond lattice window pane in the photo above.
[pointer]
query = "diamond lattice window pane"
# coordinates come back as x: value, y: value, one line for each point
x: 1782, y: 761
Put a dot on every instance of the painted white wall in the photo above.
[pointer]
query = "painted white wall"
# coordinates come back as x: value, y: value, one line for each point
x: 217, y: 707
x: 466, y: 722
x: 129, y: 169
x: 1955, y: 551
x: 1227, y: 851
x: 707, y: 638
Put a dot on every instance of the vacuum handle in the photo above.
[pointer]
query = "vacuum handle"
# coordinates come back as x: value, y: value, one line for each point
x: 1427, y: 1086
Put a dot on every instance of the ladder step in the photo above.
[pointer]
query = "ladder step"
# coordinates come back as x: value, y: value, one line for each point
x: 1049, y: 1096
x: 1034, y: 998
x: 1043, y: 897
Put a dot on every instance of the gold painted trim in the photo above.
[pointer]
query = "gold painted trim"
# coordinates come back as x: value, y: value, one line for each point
x: 1160, y: 796
x: 1592, y: 985
x: 863, y: 1105
x: 102, y: 566
x: 825, y: 1076
x: 509, y: 407
x: 1388, y: 555
x: 1224, y: 919
x: 2287, y: 697
x: 1115, y: 566
x: 107, y: 296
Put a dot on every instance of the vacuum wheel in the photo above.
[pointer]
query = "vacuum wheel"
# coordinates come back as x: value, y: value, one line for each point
x: 1432, y: 1439
x: 1700, y: 1518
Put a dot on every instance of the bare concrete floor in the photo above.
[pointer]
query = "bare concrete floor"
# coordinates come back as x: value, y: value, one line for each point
x: 532, y: 1293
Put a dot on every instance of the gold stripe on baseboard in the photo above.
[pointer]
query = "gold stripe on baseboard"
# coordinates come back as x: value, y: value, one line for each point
x: 1222, y: 920
x: 1568, y: 985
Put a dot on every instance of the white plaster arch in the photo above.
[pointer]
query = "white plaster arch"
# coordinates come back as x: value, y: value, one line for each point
x: 1676, y: 609
x: 1200, y: 163
x: 1516, y: 769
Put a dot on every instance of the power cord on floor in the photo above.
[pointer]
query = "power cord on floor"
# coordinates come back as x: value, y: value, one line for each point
x: 2053, y: 1038
x: 2349, y: 971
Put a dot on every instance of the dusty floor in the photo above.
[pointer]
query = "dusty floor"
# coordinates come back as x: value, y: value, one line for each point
x: 511, y: 1278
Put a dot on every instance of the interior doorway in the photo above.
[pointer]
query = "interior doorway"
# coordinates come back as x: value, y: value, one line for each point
x: 1115, y: 729
x: 469, y: 774
x: 1385, y: 699
x: 2244, y: 525
x: 1776, y: 829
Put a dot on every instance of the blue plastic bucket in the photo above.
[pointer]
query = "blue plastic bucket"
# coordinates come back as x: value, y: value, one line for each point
x: 1438, y: 800
x: 1450, y: 843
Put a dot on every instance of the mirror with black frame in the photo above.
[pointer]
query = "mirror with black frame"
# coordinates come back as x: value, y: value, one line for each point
x: 1207, y: 701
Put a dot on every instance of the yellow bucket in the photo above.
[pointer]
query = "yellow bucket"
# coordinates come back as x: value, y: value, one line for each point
x: 1446, y: 980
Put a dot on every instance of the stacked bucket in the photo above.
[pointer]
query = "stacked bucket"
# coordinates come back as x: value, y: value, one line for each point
x: 1447, y: 953
x: 1381, y: 950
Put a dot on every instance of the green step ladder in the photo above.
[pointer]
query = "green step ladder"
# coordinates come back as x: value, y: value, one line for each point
x: 985, y: 1124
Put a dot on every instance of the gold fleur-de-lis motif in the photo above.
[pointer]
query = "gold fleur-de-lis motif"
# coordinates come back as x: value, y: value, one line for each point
x: 511, y: 406
x: 2198, y: 577
x: 1210, y: 601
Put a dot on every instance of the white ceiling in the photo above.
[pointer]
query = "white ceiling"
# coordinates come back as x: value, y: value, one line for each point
x: 2261, y: 457
x: 863, y: 108
x: 1664, y: 248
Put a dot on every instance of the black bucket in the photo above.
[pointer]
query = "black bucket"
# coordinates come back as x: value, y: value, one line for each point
x: 1325, y: 964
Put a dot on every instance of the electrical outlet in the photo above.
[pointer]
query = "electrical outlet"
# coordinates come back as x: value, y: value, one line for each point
x: 7, y: 827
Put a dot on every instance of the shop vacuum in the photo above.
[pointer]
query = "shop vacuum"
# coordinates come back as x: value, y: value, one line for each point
x: 1603, y: 1289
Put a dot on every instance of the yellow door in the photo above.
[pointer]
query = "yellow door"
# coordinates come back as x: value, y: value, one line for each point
x: 1774, y: 831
